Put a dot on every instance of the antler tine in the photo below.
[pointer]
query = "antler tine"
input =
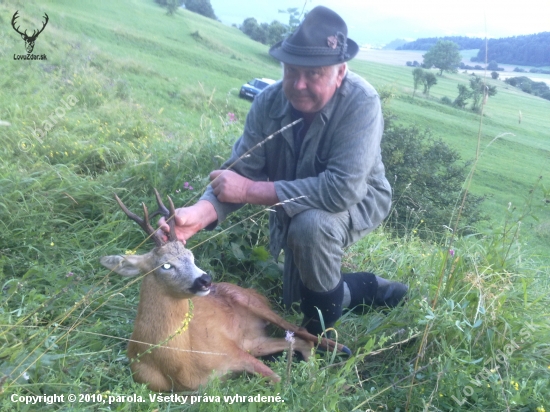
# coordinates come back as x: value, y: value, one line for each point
x: 162, y: 210
x: 169, y: 215
x: 43, y: 25
x: 15, y: 16
x: 143, y: 223
x: 172, y: 221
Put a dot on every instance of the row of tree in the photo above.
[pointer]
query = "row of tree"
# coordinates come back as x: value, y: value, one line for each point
x: 203, y: 7
x: 273, y: 32
x: 463, y: 43
x: 262, y: 32
x: 527, y: 85
x: 477, y: 91
x: 529, y: 50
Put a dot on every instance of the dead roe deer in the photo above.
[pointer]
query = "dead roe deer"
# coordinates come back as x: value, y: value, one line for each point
x: 227, y: 323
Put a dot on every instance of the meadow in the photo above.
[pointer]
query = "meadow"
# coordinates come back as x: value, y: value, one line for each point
x: 131, y: 99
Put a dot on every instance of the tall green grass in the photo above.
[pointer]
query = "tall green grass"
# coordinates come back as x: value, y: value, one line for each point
x: 152, y: 111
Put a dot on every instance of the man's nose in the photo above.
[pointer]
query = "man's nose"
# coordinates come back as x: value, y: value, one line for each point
x: 300, y: 82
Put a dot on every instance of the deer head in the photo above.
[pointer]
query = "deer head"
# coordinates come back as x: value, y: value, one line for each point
x: 29, y: 40
x: 172, y: 265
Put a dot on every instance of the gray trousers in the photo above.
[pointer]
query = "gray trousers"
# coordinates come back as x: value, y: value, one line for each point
x: 314, y: 248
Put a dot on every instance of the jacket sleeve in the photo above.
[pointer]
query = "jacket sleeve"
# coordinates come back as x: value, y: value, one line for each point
x: 247, y: 159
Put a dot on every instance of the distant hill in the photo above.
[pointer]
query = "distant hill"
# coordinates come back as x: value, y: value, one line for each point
x: 529, y: 50
x: 394, y: 44
x: 464, y: 43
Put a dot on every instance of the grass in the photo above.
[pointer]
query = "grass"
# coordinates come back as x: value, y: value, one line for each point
x: 152, y: 111
x: 513, y: 154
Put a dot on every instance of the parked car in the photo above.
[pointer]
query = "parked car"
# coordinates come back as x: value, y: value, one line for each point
x: 254, y: 87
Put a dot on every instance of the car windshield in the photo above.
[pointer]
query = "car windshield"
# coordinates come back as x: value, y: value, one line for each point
x: 261, y: 85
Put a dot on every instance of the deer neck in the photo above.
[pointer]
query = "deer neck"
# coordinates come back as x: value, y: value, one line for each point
x: 160, y: 314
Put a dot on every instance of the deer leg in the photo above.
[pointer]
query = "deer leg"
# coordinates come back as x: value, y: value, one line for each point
x: 155, y: 380
x: 267, y: 346
x: 250, y: 364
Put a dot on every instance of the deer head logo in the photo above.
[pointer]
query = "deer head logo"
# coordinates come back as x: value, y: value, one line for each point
x: 29, y: 40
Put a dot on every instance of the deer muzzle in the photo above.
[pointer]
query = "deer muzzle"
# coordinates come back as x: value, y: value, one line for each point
x: 201, y: 285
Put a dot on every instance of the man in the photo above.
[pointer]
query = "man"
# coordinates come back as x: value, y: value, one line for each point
x: 325, y: 175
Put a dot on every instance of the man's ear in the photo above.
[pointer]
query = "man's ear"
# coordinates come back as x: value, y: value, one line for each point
x: 125, y: 265
x: 342, y: 69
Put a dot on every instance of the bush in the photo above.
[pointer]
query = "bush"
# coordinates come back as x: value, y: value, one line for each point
x: 447, y: 101
x: 427, y: 177
x: 201, y: 7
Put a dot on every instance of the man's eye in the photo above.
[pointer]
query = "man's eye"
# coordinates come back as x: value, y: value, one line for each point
x: 167, y: 266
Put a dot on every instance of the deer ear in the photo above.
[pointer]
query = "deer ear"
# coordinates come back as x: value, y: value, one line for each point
x: 126, y: 265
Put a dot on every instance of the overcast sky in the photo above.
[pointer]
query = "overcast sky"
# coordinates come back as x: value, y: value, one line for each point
x: 381, y: 21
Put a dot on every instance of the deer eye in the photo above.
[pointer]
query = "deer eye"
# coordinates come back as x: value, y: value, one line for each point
x: 167, y: 266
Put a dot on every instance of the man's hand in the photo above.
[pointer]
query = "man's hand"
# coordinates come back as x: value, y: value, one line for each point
x: 231, y: 187
x: 189, y: 220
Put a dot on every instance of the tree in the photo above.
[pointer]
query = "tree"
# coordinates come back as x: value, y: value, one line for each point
x: 480, y: 89
x: 418, y: 75
x: 444, y: 55
x: 201, y: 7
x: 428, y: 80
x: 264, y: 33
x: 171, y: 5
x: 494, y: 75
x: 276, y: 32
x: 293, y: 17
x: 493, y: 65
x: 252, y: 29
x: 463, y: 95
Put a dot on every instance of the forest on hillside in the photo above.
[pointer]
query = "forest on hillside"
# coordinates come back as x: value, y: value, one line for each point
x: 463, y: 42
x: 528, y: 50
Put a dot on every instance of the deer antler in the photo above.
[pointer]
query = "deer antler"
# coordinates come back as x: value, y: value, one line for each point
x: 15, y: 16
x: 145, y: 223
x: 169, y: 215
x: 35, y: 35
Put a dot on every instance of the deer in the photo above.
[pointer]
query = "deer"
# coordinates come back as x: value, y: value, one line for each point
x: 29, y: 40
x: 189, y: 329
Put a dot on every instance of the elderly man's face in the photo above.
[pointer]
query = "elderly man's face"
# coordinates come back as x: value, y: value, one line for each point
x: 310, y: 88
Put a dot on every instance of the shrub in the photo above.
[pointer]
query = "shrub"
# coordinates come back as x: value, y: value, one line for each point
x: 426, y: 176
x: 447, y: 101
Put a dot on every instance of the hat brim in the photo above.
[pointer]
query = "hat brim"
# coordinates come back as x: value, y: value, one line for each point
x: 312, y: 61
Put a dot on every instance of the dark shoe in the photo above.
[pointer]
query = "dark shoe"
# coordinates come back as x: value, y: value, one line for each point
x: 389, y: 293
x: 368, y: 289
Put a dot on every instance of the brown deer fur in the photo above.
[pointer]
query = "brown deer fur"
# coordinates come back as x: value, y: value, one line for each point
x: 225, y: 333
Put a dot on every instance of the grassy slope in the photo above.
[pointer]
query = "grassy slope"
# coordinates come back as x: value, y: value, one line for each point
x: 511, y: 165
x: 141, y: 110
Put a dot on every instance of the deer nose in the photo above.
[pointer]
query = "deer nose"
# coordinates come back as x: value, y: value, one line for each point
x: 202, y: 283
